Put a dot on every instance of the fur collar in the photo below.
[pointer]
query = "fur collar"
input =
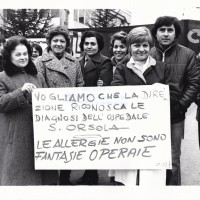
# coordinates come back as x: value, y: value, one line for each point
x: 11, y: 70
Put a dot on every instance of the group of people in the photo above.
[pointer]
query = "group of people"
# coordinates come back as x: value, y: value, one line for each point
x: 135, y: 60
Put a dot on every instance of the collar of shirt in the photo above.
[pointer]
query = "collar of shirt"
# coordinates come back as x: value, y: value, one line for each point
x: 86, y: 60
x: 142, y: 68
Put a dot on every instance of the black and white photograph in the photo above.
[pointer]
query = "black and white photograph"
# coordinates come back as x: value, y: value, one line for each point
x: 100, y: 100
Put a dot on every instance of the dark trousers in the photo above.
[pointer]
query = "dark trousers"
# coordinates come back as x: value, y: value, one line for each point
x: 64, y: 176
x: 91, y: 174
x: 50, y: 177
x: 174, y: 175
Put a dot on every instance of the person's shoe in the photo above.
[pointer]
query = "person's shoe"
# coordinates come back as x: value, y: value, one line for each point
x: 118, y: 183
x: 65, y: 182
x: 93, y: 180
x: 112, y: 180
x: 83, y: 181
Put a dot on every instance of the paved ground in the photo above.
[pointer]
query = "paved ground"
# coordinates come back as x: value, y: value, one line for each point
x: 190, y: 158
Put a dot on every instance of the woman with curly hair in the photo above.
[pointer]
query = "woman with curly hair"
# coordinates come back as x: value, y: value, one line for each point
x: 60, y: 69
x: 118, y: 49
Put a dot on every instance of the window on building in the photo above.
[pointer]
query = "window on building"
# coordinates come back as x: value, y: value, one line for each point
x: 81, y: 16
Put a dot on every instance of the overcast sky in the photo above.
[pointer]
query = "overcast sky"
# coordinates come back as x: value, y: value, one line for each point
x: 143, y: 11
x: 147, y: 11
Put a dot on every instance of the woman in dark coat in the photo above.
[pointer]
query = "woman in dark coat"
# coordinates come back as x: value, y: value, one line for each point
x: 97, y: 71
x: 94, y: 65
x: 119, y: 52
x: 17, y: 82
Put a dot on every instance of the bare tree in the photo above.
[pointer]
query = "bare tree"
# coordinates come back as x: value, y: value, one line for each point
x: 106, y: 18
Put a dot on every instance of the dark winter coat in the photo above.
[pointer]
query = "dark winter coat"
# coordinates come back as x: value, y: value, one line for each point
x: 123, y: 61
x: 1, y: 64
x: 183, y: 80
x: 126, y: 76
x: 98, y: 67
x: 16, y: 132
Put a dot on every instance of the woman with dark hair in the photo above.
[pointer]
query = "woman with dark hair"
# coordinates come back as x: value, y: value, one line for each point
x: 97, y: 71
x: 36, y: 51
x: 2, y: 42
x: 96, y: 68
x: 119, y: 53
x: 118, y: 49
x: 17, y: 81
x: 60, y: 69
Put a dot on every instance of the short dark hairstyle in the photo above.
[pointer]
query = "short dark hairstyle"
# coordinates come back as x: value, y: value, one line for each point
x: 121, y: 35
x: 166, y: 21
x: 11, y: 44
x: 9, y: 47
x: 58, y: 30
x: 99, y: 38
x: 37, y: 47
x: 2, y: 39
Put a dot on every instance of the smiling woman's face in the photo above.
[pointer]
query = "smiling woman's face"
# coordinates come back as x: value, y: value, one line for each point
x: 140, y: 51
x: 119, y: 50
x: 35, y: 53
x: 58, y: 44
x: 19, y: 56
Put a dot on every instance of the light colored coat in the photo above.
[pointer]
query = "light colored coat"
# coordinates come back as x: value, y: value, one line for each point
x: 65, y: 72
x: 16, y: 132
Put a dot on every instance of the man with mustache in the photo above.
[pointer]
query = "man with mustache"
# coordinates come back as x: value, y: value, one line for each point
x: 183, y: 80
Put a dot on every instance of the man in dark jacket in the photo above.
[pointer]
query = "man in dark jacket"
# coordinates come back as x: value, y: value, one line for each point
x: 183, y: 80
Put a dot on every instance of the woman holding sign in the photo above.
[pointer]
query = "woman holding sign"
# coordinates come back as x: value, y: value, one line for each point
x: 17, y: 81
x: 142, y: 69
x: 60, y: 69
x: 97, y: 71
x: 119, y: 52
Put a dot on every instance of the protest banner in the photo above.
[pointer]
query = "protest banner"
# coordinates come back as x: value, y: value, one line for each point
x: 124, y: 127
